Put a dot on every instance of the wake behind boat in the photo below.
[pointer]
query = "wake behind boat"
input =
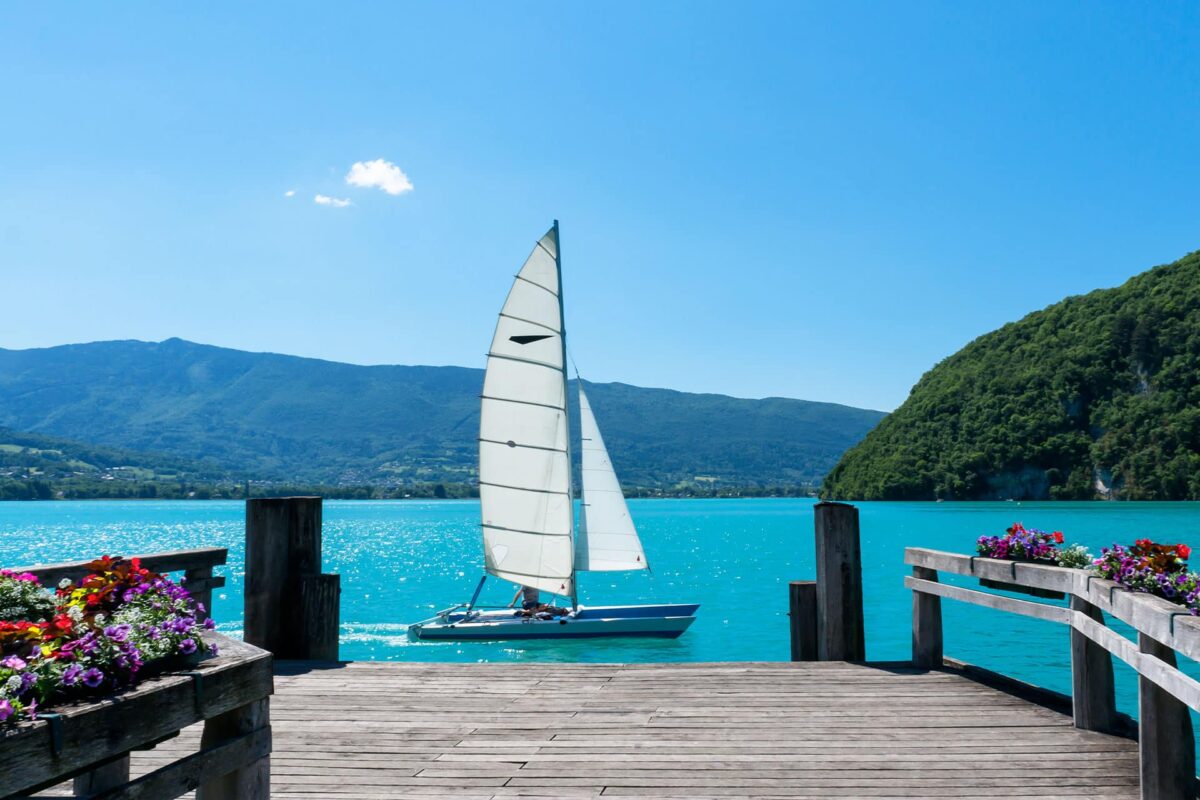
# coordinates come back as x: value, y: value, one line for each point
x: 526, y: 488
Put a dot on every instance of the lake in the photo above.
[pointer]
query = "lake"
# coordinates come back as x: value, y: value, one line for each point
x: 402, y: 560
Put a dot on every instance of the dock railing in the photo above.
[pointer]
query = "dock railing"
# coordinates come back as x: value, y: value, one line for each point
x: 196, y: 565
x: 90, y: 741
x: 1164, y: 629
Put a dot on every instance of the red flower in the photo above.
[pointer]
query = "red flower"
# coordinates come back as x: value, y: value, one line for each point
x: 1183, y: 550
x: 1058, y: 537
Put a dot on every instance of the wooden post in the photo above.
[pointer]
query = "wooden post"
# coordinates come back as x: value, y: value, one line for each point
x: 200, y: 576
x: 839, y: 584
x: 802, y: 610
x: 926, y: 624
x: 320, y: 601
x: 251, y: 782
x: 1093, y: 695
x: 287, y: 611
x: 113, y: 774
x: 1166, y: 746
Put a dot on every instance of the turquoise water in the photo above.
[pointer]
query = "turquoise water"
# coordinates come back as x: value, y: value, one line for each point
x: 401, y: 560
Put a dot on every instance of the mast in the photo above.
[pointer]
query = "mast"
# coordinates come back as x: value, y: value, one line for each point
x: 567, y: 404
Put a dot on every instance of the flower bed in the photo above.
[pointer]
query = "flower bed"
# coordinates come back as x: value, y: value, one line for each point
x: 1158, y: 569
x: 1034, y: 546
x: 118, y: 624
x: 1021, y: 544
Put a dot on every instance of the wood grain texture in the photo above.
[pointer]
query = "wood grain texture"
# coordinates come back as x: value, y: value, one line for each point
x: 840, y: 629
x: 735, y: 730
x: 802, y: 618
x: 1093, y: 691
x: 94, y: 733
x: 1167, y: 745
x: 926, y: 623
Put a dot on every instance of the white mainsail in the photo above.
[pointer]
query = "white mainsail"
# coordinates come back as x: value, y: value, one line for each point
x: 607, y: 538
x: 524, y: 449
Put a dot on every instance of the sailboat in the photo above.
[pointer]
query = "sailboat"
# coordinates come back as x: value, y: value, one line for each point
x: 526, y: 489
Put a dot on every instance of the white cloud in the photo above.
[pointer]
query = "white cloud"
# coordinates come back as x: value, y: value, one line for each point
x: 289, y: 193
x: 326, y: 200
x: 379, y: 174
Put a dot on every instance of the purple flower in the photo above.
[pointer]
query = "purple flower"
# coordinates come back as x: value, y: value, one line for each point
x: 212, y: 648
x: 13, y: 662
x: 93, y: 678
x: 209, y: 624
x: 6, y: 710
x: 31, y: 708
x: 118, y: 633
x: 187, y: 646
x: 71, y: 676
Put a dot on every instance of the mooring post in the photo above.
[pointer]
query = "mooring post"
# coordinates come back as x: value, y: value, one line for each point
x: 839, y: 584
x: 1166, y: 745
x: 1093, y: 693
x: 802, y: 613
x: 926, y: 624
x: 291, y: 609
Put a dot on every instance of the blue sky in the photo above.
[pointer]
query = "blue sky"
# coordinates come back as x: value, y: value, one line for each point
x: 815, y: 201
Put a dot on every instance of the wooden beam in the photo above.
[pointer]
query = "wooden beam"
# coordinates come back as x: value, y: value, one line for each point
x: 251, y: 781
x: 167, y: 561
x: 182, y: 776
x: 802, y: 613
x: 926, y: 623
x: 283, y: 542
x: 840, y: 634
x: 1093, y: 696
x: 320, y: 602
x: 107, y: 776
x: 1166, y: 744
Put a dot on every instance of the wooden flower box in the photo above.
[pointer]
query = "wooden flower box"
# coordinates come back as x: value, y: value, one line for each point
x: 228, y: 693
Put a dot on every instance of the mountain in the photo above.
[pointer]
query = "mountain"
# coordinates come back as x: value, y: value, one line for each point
x: 286, y: 418
x: 1095, y: 396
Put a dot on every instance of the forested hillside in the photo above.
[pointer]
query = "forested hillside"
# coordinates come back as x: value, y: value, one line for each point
x: 1095, y: 396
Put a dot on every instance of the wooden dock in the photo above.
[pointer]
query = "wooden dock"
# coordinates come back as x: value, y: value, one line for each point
x: 764, y: 730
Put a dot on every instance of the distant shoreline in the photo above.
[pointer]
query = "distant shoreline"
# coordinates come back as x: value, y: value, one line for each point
x: 176, y: 492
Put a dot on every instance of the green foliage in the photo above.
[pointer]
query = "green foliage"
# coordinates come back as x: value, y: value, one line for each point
x: 1097, y: 395
x: 296, y: 420
x: 23, y: 599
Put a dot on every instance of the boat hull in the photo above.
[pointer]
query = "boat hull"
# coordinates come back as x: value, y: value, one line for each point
x: 662, y: 621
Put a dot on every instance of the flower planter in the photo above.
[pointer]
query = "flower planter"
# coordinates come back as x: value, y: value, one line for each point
x: 1032, y: 591
x: 229, y: 693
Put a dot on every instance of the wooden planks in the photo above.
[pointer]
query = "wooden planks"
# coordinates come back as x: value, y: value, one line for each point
x: 770, y: 730
x: 90, y: 735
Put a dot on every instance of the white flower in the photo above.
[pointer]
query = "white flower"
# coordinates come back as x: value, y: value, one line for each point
x: 75, y: 613
x: 64, y: 583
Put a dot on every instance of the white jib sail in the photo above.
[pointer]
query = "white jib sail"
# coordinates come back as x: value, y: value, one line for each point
x: 607, y: 538
x: 524, y: 465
